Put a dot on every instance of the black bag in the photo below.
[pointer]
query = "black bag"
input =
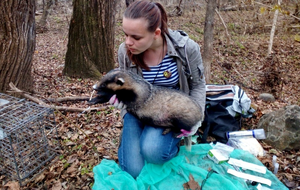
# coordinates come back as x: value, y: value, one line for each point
x: 226, y: 105
x: 218, y: 121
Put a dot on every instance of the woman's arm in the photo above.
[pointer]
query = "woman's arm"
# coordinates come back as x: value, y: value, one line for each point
x: 197, y: 83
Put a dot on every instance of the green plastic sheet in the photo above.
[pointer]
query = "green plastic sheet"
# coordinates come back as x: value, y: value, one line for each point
x: 174, y: 173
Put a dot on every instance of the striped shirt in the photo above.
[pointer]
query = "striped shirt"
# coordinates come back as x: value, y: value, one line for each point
x: 165, y: 74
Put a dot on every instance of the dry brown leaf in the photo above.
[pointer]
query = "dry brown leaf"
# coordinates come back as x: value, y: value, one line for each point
x: 100, y: 149
x: 296, y: 171
x: 192, y: 184
x: 70, y: 143
x: 74, y: 137
x: 56, y: 185
x: 73, y: 168
x: 73, y: 158
x: 88, y: 132
x: 289, y: 176
x: 51, y: 175
x: 39, y: 178
x: 106, y: 135
x: 289, y: 184
x: 12, y: 185
x: 91, y: 174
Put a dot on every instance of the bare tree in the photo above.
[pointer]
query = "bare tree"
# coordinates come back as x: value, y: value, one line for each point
x: 209, y: 38
x: 273, y: 30
x: 46, y: 9
x: 17, y: 37
x: 91, y: 39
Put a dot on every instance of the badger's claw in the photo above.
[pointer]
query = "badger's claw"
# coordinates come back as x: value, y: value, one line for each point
x: 166, y: 131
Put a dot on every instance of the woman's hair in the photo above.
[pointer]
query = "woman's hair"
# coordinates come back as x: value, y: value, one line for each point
x: 155, y: 15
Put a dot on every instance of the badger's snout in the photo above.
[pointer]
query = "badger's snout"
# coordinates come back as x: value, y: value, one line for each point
x: 95, y: 86
x: 103, y: 95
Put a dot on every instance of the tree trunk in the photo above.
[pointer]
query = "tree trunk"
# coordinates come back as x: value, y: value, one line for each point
x: 208, y: 38
x: 91, y: 39
x: 17, y: 43
x: 46, y: 9
x: 128, y: 2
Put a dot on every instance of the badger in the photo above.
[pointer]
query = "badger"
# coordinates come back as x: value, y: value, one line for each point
x: 154, y: 105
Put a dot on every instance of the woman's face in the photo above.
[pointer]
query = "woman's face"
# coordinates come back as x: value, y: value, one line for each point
x: 138, y: 38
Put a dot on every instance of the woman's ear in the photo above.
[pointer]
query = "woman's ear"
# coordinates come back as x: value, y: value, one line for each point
x: 157, y: 33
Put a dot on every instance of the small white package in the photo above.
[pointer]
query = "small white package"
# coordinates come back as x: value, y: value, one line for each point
x: 249, y: 144
x: 220, y: 153
x: 247, y: 165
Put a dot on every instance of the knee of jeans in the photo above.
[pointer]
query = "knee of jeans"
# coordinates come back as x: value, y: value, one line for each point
x: 133, y: 170
x: 155, y: 155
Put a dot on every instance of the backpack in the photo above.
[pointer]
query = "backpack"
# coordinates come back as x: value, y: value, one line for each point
x: 225, y: 107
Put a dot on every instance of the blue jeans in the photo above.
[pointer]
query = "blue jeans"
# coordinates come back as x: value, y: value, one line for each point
x: 142, y: 143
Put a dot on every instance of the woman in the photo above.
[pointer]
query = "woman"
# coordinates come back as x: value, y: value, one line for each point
x: 163, y: 57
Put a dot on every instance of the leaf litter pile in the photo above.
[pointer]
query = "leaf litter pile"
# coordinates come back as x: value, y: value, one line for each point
x: 89, y: 136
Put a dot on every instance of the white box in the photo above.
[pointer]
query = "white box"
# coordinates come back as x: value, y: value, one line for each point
x: 217, y: 156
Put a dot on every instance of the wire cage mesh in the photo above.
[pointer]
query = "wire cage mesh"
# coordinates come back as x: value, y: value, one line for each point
x: 28, y: 138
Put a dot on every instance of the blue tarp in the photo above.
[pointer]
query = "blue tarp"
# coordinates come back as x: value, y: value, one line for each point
x: 174, y: 173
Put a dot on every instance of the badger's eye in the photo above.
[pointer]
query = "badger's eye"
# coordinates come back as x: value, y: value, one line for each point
x: 103, y: 85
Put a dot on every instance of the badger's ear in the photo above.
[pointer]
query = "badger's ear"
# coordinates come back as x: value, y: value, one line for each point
x: 120, y: 81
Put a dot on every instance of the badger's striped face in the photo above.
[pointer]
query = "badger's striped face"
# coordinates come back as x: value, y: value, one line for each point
x: 114, y: 82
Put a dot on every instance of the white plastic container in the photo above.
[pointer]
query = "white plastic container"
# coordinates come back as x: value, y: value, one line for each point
x: 256, y: 133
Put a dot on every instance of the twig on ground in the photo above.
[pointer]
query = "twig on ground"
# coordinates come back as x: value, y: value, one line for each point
x: 14, y: 89
x: 227, y: 34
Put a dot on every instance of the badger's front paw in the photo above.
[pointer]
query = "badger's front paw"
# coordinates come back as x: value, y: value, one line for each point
x: 194, y: 129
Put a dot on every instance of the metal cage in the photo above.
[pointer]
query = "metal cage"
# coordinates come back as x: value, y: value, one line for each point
x: 28, y: 138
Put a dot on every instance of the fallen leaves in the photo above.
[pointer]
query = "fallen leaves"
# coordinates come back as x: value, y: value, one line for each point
x: 72, y: 169
x: 99, y: 138
x: 289, y: 166
x: 39, y: 178
x: 56, y: 185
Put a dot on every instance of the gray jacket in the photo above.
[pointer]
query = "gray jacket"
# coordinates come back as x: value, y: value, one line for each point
x: 187, y: 54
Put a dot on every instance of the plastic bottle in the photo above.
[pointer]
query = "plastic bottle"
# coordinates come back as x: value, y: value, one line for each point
x: 275, y: 164
x: 256, y: 133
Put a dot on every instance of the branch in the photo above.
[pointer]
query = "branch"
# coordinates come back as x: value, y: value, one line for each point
x: 273, y: 30
x: 227, y: 34
x: 263, y: 4
x: 295, y: 17
x: 14, y: 89
x: 68, y: 99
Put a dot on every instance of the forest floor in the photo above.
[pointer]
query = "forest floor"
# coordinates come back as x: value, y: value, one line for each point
x: 86, y: 138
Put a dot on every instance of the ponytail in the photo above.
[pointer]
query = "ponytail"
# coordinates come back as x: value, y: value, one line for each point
x: 164, y: 19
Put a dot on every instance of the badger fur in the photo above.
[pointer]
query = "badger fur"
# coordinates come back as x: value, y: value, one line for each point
x: 153, y: 105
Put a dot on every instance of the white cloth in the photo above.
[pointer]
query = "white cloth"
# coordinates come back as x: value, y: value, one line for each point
x: 241, y: 103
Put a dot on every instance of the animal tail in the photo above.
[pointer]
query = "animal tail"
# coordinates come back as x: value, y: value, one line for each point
x: 188, y: 143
